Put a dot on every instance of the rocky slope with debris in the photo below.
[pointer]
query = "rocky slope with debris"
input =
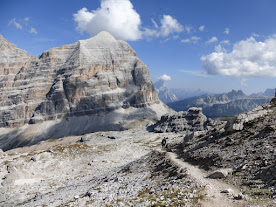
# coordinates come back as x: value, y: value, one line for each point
x: 106, y: 168
x: 128, y: 169
x: 98, y: 169
x: 186, y: 122
x: 246, y: 147
x: 94, y: 84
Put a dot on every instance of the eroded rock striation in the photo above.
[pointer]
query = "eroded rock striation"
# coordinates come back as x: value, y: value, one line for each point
x: 183, y: 121
x: 94, y: 77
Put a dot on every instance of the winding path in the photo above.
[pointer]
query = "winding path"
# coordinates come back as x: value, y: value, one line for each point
x: 213, y: 187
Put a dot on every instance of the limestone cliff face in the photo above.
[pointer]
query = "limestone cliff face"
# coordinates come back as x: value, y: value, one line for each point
x: 97, y: 84
x: 97, y: 74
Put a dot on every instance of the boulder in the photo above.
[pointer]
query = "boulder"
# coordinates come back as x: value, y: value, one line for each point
x: 218, y: 174
x: 184, y: 121
x: 2, y: 154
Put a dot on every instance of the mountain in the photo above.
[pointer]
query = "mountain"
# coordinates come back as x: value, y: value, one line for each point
x: 268, y: 93
x: 225, y: 104
x: 164, y: 93
x: 188, y: 93
x: 90, y: 85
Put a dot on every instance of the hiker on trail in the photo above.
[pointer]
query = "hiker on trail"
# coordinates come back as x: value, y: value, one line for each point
x: 164, y: 142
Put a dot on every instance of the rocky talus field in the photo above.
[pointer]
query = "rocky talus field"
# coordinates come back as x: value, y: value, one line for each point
x: 219, y: 165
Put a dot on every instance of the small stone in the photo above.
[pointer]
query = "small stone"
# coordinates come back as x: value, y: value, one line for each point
x: 76, y: 197
x: 33, y: 159
x: 238, y: 197
x: 226, y: 191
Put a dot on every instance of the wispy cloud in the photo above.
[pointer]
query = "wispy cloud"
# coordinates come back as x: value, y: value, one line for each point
x: 201, y: 28
x: 189, y: 29
x: 42, y: 40
x: 26, y: 19
x: 155, y: 24
x: 226, y: 31
x: 226, y: 42
x: 33, y: 31
x: 193, y: 39
x: 15, y: 23
x: 212, y: 40
x: 243, y: 81
x: 196, y: 73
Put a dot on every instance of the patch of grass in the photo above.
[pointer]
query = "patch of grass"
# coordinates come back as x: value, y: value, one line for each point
x: 171, y: 198
x: 259, y: 192
x: 259, y: 196
x: 89, y: 202
x: 71, y: 148
x: 52, y: 140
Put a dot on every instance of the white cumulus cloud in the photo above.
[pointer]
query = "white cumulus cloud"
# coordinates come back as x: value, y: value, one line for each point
x: 212, y: 40
x: 120, y: 19
x: 201, y: 28
x: 164, y: 77
x: 169, y: 25
x: 115, y: 16
x: 15, y: 23
x: 248, y: 58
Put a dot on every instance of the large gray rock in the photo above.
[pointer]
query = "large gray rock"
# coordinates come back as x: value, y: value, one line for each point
x: 218, y: 174
x: 87, y: 78
x: 258, y: 112
x: 184, y: 121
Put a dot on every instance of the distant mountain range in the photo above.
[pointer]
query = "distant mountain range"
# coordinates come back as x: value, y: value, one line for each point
x: 225, y: 104
x: 168, y: 95
x: 268, y: 93
x: 164, y: 93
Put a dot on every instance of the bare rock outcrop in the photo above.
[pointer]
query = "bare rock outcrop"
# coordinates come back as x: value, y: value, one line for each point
x: 92, y: 77
x: 244, y: 118
x: 183, y: 121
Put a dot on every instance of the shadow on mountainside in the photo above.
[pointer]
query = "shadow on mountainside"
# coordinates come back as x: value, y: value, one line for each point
x: 105, y: 120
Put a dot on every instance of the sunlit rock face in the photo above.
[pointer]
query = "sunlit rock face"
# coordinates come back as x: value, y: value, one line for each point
x: 100, y: 73
x: 100, y: 78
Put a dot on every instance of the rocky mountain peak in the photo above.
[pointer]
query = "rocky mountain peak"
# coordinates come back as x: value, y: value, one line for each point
x: 164, y: 92
x: 103, y: 36
x: 78, y: 81
x: 236, y: 94
x: 160, y: 84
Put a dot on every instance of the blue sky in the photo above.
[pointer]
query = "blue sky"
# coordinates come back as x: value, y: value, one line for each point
x: 214, y: 45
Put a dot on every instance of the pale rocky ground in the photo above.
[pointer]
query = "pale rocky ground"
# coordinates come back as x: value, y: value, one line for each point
x: 108, y: 168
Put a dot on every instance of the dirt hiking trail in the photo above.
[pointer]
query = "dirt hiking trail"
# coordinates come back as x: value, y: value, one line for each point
x: 213, y: 187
